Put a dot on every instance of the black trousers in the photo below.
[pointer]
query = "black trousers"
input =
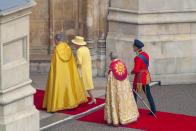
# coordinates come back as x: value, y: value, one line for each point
x: 147, y: 91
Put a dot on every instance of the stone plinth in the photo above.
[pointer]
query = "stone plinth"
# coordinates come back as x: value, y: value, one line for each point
x: 17, y: 111
x: 167, y: 27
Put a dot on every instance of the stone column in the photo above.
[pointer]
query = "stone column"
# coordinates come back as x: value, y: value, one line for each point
x: 101, y: 45
x: 89, y: 32
x: 17, y: 111
x: 101, y: 58
x: 167, y: 28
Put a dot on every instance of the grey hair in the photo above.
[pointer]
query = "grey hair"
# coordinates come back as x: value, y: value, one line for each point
x: 113, y: 56
x: 59, y: 37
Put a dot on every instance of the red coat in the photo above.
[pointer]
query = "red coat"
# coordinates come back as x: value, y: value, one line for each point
x: 142, y: 75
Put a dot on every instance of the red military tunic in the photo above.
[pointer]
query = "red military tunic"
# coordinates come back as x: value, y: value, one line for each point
x: 142, y: 75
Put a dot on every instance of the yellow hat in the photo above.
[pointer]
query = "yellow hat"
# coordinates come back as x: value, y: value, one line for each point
x: 78, y: 40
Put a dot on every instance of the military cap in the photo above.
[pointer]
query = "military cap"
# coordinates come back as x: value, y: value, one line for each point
x: 138, y: 43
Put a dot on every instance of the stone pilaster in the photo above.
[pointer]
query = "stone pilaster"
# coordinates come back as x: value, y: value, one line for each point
x: 168, y: 31
x: 101, y: 44
x: 89, y: 32
x: 101, y: 58
x: 17, y: 111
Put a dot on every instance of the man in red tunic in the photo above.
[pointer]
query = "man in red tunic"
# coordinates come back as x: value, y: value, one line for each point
x: 142, y: 76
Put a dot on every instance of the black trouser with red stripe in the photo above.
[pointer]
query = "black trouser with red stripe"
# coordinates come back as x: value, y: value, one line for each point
x: 147, y: 91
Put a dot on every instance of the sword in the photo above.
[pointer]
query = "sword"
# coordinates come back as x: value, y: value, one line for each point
x: 144, y: 102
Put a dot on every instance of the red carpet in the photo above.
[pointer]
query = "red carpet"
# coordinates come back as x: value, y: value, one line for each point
x: 165, y: 121
x: 38, y: 102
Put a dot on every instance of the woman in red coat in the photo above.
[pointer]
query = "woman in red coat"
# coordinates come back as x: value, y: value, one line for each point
x: 142, y: 76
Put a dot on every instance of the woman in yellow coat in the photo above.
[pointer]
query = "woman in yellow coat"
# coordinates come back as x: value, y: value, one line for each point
x: 84, y: 65
x: 64, y: 88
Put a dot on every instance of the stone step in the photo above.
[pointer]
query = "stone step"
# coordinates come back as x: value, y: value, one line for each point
x: 40, y: 79
x: 40, y: 63
x: 40, y: 67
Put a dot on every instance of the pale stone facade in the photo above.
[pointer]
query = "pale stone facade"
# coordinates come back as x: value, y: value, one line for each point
x: 17, y: 111
x: 166, y: 27
x: 72, y: 17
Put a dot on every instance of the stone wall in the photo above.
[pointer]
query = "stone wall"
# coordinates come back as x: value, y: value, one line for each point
x: 72, y: 17
x: 16, y: 93
x: 39, y: 28
x: 166, y: 28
